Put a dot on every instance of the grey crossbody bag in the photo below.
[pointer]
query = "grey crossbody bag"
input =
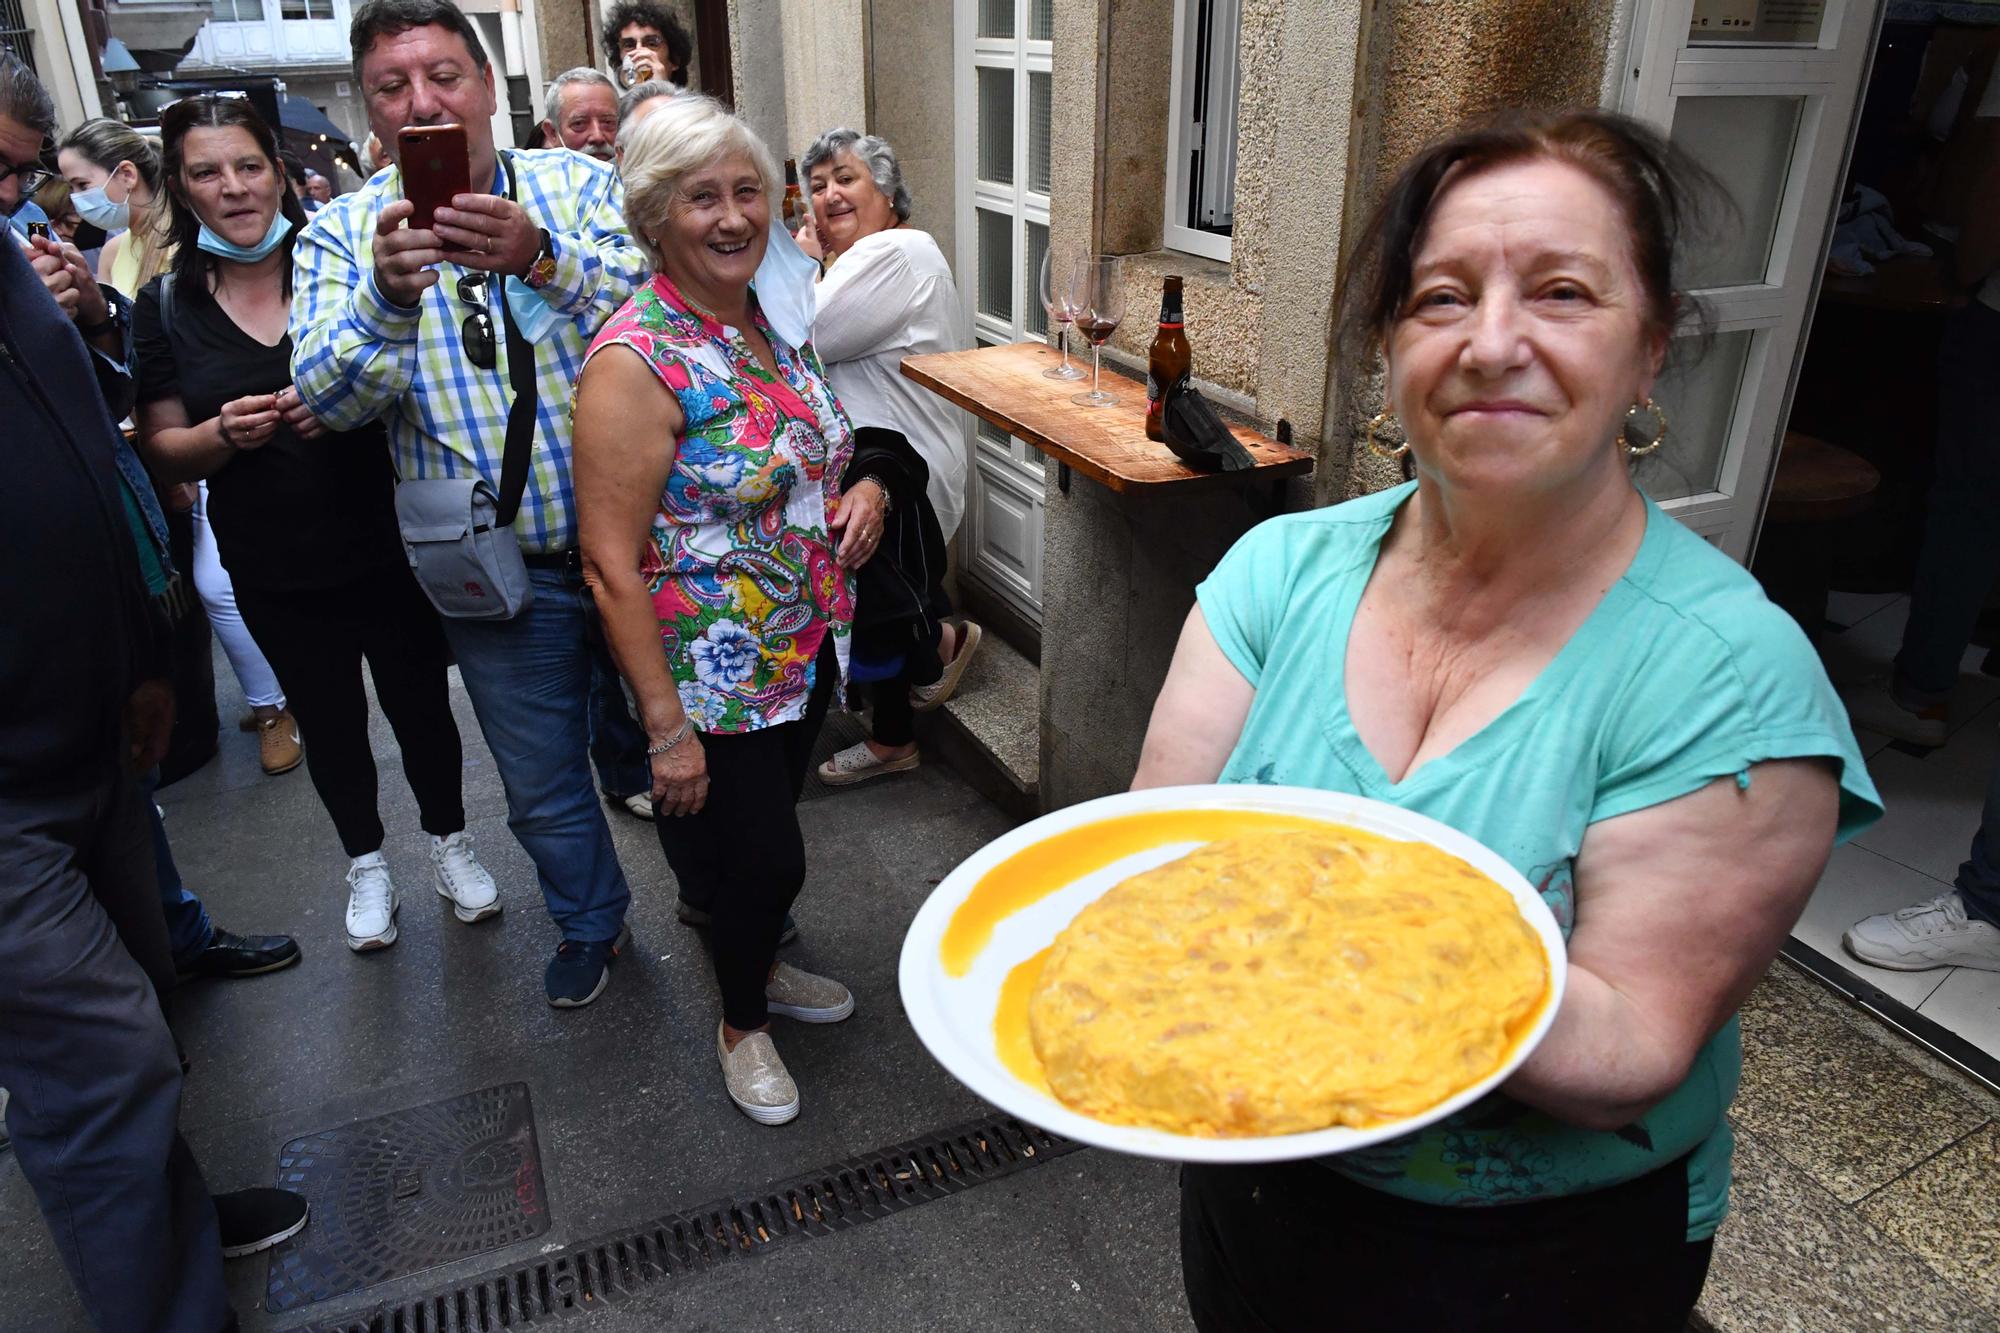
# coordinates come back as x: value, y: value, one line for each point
x: 458, y: 531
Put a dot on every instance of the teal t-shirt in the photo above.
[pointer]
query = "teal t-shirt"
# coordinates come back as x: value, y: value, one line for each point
x: 1683, y: 674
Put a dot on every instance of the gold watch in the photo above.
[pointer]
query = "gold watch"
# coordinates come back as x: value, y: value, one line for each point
x: 543, y: 271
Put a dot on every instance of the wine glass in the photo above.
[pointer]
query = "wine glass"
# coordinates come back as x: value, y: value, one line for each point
x: 1058, y: 278
x: 1099, y: 297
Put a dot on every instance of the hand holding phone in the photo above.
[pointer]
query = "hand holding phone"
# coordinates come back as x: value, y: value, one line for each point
x: 436, y: 167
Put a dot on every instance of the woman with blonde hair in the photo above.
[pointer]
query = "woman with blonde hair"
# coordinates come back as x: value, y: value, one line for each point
x: 116, y: 182
x: 718, y: 544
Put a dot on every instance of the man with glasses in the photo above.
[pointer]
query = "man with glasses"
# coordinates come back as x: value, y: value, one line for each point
x: 22, y: 171
x: 643, y: 40
x: 406, y: 324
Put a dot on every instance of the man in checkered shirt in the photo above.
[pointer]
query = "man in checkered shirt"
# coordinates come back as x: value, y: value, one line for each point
x: 383, y: 326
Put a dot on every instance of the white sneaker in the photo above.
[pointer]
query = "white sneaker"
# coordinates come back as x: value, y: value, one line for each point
x: 639, y: 805
x: 1872, y: 704
x: 1933, y: 934
x: 473, y: 894
x: 371, y: 904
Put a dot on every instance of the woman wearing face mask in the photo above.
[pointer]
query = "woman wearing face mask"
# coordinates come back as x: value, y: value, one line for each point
x: 304, y: 519
x: 114, y: 176
x: 114, y: 181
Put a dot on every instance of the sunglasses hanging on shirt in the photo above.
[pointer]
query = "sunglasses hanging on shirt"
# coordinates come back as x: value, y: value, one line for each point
x: 476, y: 333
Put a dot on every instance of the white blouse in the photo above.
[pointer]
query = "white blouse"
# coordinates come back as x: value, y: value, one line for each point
x: 889, y: 297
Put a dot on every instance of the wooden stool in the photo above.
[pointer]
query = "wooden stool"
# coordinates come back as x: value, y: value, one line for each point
x: 1816, y: 486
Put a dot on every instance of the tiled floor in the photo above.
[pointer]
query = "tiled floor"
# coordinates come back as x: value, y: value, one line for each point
x: 1933, y: 806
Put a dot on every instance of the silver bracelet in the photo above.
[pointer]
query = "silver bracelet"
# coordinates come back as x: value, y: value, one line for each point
x: 686, y: 730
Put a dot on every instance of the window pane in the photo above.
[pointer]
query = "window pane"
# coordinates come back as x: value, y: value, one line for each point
x: 1038, y: 132
x: 996, y: 18
x: 1747, y: 143
x: 1042, y: 20
x: 1756, y: 22
x: 996, y: 125
x: 996, y: 265
x: 237, y: 11
x: 1035, y: 244
x: 1700, y: 400
x: 306, y: 9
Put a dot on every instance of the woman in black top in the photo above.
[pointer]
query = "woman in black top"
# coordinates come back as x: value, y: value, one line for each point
x: 304, y: 517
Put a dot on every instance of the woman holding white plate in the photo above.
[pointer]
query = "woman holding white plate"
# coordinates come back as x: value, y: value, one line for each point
x: 1521, y: 645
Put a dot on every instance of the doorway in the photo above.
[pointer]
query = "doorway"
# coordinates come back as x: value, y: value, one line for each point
x: 1855, y: 498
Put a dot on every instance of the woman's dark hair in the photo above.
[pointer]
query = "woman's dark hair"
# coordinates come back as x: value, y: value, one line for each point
x: 1664, y: 195
x: 375, y: 19
x: 192, y: 264
x: 648, y: 14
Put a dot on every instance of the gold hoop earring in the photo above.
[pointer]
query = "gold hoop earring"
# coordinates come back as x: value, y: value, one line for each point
x: 1381, y: 419
x: 1659, y: 437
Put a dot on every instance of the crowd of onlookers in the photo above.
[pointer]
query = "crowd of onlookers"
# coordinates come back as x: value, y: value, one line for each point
x: 349, y: 438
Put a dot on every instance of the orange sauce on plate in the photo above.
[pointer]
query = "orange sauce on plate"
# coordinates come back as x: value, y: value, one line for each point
x: 1010, y: 1023
x: 1033, y: 873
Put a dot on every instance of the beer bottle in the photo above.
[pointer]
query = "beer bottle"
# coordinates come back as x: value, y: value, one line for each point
x: 1170, y: 362
x: 795, y: 214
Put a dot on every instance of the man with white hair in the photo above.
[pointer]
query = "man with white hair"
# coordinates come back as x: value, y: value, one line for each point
x: 581, y: 113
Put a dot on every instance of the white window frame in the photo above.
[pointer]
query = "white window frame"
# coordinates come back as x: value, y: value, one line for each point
x: 1660, y: 69
x: 1009, y: 469
x: 1212, y: 130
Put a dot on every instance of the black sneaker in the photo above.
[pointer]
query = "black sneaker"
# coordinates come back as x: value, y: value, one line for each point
x: 231, y: 955
x: 690, y: 915
x: 257, y: 1219
x: 581, y: 969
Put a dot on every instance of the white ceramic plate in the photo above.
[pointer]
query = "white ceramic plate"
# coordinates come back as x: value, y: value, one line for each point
x: 954, y: 1015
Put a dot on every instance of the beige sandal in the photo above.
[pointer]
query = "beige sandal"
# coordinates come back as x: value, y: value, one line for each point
x: 926, y: 697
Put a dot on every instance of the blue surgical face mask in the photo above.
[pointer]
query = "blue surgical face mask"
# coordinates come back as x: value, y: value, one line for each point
x: 246, y: 254
x: 533, y: 316
x: 96, y: 208
x: 787, y: 285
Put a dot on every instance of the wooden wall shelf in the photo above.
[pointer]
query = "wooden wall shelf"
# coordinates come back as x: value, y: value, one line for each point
x: 1004, y: 386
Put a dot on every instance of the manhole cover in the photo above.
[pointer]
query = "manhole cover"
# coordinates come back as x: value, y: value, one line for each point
x: 408, y: 1191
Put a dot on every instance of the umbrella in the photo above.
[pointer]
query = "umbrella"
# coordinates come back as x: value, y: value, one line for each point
x: 297, y: 114
x: 317, y: 140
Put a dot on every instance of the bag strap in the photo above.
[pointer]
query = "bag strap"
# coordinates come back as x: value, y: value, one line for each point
x: 167, y: 303
x: 527, y: 400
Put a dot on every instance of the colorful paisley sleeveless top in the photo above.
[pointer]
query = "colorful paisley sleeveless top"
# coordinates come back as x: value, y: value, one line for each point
x: 740, y: 564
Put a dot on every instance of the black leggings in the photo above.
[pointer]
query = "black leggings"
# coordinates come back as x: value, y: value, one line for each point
x: 743, y: 856
x: 1296, y: 1246
x: 892, y: 719
x: 315, y: 639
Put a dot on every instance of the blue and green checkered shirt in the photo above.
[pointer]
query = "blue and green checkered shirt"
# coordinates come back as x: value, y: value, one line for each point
x: 356, y: 357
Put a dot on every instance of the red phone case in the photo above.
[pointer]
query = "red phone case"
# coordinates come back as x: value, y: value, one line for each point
x: 434, y: 167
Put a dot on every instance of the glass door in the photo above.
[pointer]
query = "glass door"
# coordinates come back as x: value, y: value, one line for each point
x: 1764, y: 94
x: 1004, y: 111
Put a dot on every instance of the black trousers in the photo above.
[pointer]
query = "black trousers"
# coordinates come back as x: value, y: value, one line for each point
x: 1295, y: 1246
x: 892, y: 719
x: 84, y: 1048
x: 316, y: 640
x: 743, y: 856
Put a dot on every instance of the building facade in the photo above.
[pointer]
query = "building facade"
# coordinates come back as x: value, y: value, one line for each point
x: 1237, y: 143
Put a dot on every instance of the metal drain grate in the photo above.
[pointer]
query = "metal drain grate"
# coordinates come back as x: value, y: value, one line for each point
x: 597, y: 1275
x: 403, y: 1192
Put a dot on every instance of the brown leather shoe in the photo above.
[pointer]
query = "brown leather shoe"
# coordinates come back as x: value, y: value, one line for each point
x: 278, y: 747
